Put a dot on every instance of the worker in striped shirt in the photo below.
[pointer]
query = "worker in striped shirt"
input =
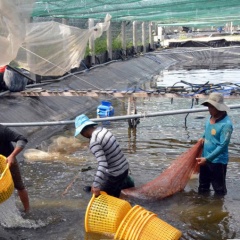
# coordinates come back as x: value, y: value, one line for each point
x: 112, y: 171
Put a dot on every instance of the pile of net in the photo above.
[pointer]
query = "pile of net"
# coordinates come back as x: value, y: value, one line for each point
x: 170, y: 181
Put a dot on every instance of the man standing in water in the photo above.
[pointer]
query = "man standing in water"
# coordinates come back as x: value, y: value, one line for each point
x: 113, y: 167
x: 7, y: 136
x: 216, y: 138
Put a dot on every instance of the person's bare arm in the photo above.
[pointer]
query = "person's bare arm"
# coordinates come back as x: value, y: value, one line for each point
x: 12, y: 157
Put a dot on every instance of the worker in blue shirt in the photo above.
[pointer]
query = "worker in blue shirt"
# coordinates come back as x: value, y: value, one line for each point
x: 215, y: 140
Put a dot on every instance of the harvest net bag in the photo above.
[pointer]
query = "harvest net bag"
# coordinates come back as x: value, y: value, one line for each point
x: 6, y: 182
x: 172, y: 180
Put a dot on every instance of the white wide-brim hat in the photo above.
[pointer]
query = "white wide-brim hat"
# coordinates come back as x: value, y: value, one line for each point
x: 217, y: 100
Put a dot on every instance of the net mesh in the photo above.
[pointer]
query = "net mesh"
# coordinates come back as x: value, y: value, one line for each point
x: 202, y: 12
x: 172, y: 180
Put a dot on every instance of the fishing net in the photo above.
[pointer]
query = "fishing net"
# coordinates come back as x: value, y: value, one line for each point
x: 172, y: 180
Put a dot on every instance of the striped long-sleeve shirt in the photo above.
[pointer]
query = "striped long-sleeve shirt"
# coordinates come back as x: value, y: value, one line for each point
x: 110, y: 157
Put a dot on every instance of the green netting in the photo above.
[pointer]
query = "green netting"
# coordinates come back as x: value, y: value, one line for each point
x: 196, y: 12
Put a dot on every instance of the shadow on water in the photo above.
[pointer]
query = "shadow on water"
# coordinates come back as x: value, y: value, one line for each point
x: 56, y: 173
x: 207, y: 219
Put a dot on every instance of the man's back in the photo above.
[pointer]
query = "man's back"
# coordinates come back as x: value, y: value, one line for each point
x: 108, y: 152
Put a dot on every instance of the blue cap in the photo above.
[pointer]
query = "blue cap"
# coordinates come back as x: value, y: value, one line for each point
x: 81, y: 122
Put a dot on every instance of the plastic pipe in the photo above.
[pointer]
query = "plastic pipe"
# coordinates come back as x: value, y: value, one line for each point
x: 133, y: 116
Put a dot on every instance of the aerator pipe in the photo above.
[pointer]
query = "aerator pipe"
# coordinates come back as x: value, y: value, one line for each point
x: 133, y: 116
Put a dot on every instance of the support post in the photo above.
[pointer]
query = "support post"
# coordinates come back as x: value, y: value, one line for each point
x: 109, y: 42
x: 227, y: 27
x: 135, y: 36
x: 160, y: 33
x: 30, y: 61
x: 124, y: 46
x: 143, y: 37
x: 130, y: 99
x: 132, y: 109
x: 150, y: 35
x: 91, y: 41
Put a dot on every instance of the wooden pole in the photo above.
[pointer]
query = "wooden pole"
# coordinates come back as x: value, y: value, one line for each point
x: 135, y: 36
x: 91, y: 41
x: 144, y: 37
x: 124, y: 46
x: 109, y: 42
x: 150, y: 35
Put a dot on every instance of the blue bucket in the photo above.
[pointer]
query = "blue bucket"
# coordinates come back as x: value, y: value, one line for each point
x: 105, y: 109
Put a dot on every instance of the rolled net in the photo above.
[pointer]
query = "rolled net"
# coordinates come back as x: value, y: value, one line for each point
x: 172, y: 180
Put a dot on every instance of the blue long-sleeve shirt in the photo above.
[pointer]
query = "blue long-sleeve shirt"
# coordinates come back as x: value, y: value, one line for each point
x: 217, y: 137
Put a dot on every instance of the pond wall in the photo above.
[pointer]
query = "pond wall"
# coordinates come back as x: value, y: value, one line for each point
x: 119, y: 75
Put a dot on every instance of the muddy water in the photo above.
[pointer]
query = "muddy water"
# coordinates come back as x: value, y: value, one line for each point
x: 55, y: 180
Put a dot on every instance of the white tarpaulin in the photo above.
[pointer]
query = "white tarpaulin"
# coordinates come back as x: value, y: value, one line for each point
x: 44, y: 48
x: 14, y: 16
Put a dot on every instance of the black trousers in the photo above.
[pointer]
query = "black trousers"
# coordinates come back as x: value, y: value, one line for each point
x: 113, y: 185
x: 213, y: 174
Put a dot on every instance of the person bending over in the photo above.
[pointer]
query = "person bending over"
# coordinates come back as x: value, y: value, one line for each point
x: 113, y: 167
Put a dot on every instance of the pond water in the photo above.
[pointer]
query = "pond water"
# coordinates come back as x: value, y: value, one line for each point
x: 55, y: 175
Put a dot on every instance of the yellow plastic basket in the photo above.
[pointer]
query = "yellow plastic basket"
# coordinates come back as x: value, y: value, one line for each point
x: 105, y: 213
x: 123, y: 227
x: 157, y: 229
x: 143, y: 218
x: 133, y: 223
x: 6, y: 182
x: 141, y: 224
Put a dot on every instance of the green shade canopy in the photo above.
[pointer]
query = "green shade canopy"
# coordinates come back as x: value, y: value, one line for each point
x: 195, y: 12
